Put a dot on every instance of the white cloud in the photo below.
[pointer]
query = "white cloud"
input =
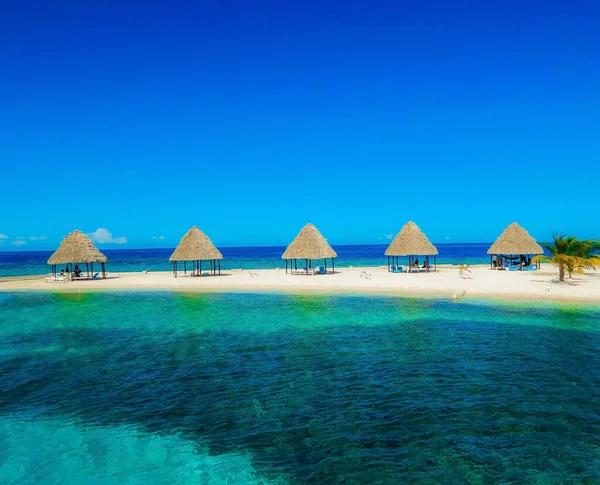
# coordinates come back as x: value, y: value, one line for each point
x: 160, y: 238
x: 37, y: 238
x: 19, y: 237
x: 102, y: 236
x: 18, y: 242
x: 2, y: 236
x: 389, y: 237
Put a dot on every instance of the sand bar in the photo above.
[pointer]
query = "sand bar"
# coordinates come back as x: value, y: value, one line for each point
x: 541, y: 285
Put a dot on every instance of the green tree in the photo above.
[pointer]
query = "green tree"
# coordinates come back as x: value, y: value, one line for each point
x: 571, y: 255
x: 584, y: 256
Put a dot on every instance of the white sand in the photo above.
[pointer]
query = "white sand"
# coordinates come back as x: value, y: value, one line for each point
x: 539, y: 285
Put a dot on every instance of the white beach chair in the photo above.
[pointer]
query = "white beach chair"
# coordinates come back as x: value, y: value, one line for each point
x: 55, y: 279
x: 252, y: 274
x: 365, y: 275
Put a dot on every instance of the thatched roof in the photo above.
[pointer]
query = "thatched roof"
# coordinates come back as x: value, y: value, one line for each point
x: 309, y: 244
x: 195, y: 245
x: 77, y: 248
x: 515, y: 240
x: 411, y: 241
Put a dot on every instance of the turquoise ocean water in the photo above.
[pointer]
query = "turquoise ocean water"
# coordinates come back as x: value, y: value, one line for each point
x: 15, y: 263
x: 149, y: 388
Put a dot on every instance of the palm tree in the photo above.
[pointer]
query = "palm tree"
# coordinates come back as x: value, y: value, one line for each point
x: 559, y: 250
x: 571, y: 255
x: 588, y: 248
x: 584, y: 256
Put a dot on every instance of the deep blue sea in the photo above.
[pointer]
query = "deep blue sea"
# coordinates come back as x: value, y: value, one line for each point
x: 155, y: 388
x: 17, y: 263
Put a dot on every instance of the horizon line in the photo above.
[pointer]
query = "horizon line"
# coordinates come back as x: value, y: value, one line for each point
x: 122, y: 247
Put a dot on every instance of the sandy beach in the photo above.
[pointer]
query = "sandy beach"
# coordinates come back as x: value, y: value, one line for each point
x: 541, y: 285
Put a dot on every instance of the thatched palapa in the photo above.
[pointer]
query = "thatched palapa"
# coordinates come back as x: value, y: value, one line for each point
x: 410, y: 242
x: 196, y: 246
x: 309, y: 244
x: 77, y: 248
x: 515, y: 240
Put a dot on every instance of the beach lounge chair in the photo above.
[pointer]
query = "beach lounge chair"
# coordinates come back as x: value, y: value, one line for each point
x: 365, y: 275
x: 513, y: 268
x: 320, y: 270
x: 531, y: 267
x: 85, y: 278
x: 398, y: 269
x: 96, y: 276
x: 55, y: 279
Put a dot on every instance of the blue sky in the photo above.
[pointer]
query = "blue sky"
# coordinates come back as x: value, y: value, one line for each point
x: 250, y: 119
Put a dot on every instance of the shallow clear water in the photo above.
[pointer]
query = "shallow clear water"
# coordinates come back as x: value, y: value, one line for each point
x: 174, y: 388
